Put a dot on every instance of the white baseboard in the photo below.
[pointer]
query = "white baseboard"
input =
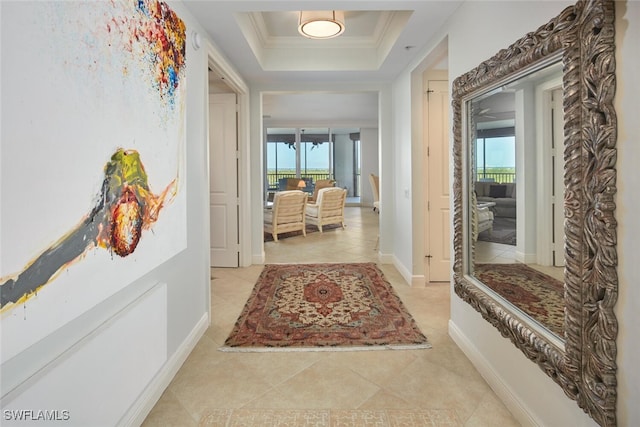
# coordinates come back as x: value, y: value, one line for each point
x: 136, y: 415
x: 404, y: 272
x: 258, y: 259
x: 515, y: 405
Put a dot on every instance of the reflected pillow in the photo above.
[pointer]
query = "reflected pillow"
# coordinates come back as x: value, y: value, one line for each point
x: 498, y: 191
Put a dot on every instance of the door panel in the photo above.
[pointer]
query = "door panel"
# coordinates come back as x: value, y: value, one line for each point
x: 438, y: 265
x: 223, y: 180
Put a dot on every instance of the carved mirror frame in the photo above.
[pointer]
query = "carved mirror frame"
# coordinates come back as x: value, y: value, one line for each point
x: 583, y: 34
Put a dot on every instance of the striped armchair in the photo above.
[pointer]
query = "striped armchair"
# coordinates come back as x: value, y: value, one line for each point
x: 320, y: 184
x: 286, y: 213
x: 328, y: 209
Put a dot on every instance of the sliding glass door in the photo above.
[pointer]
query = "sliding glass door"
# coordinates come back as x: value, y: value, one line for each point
x: 316, y: 153
x: 281, y: 156
x: 313, y: 154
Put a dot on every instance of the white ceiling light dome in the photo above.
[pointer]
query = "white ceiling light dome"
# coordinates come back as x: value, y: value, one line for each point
x: 321, y: 24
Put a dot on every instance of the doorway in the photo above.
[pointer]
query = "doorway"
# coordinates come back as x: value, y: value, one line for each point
x: 223, y: 179
x: 340, y: 132
x: 227, y: 99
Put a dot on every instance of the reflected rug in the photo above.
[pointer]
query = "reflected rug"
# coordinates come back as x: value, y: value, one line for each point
x: 537, y: 294
x: 315, y: 307
x: 310, y: 229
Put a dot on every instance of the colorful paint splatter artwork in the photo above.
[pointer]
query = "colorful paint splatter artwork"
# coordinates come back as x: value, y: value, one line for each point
x: 147, y: 40
x: 123, y: 209
x: 164, y: 49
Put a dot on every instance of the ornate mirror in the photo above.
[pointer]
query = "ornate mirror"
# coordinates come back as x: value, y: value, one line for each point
x: 534, y: 185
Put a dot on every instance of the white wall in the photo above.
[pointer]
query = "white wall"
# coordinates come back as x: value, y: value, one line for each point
x: 401, y: 202
x: 409, y: 173
x: 177, y: 326
x: 533, y: 396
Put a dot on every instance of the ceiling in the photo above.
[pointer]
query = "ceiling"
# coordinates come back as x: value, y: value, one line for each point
x: 260, y: 38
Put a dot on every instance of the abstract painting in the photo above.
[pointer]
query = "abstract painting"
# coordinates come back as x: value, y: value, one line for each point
x: 97, y: 94
x: 124, y: 207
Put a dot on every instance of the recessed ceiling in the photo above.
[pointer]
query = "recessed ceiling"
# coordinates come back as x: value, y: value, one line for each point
x: 367, y: 40
x: 260, y: 38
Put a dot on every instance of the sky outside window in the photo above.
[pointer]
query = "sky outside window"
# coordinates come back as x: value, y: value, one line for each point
x: 496, y: 152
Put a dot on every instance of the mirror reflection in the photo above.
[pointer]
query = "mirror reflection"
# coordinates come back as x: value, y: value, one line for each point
x: 515, y: 195
x: 575, y: 142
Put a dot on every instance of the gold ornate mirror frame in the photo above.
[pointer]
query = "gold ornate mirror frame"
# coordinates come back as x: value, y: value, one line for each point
x: 586, y: 367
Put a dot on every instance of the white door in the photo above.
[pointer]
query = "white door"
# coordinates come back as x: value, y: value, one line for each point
x: 550, y: 174
x: 223, y: 180
x: 437, y: 261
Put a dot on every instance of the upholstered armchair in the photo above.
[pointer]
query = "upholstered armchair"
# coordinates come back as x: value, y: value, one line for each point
x: 481, y: 217
x: 286, y: 214
x: 485, y: 219
x: 328, y: 208
x: 320, y: 184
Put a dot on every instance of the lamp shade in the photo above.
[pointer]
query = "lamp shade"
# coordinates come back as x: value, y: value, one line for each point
x: 302, y: 184
x: 321, y: 24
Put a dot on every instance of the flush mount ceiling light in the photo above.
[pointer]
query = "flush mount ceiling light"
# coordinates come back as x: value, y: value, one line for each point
x: 321, y: 24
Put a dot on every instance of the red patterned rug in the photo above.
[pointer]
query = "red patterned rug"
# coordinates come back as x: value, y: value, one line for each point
x: 316, y: 307
x: 537, y: 294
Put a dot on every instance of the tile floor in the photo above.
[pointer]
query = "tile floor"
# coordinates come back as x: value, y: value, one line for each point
x: 435, y: 387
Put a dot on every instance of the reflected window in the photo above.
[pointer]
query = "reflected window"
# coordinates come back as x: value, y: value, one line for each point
x: 496, y: 158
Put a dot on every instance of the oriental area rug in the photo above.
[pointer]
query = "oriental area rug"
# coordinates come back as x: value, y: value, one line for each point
x: 316, y: 307
x: 537, y: 294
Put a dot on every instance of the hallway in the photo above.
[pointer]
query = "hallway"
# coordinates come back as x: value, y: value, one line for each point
x: 435, y: 387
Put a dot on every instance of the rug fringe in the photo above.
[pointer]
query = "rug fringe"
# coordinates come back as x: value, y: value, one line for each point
x: 228, y: 349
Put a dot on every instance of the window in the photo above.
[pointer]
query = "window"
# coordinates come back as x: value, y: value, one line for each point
x: 281, y: 156
x: 313, y: 154
x: 496, y: 156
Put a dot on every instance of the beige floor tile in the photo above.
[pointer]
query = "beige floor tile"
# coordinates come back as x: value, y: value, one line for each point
x: 384, y: 399
x: 359, y: 418
x: 490, y: 412
x: 325, y: 384
x: 278, y: 367
x: 432, y: 417
x: 169, y: 412
x: 430, y: 385
x: 376, y: 366
x: 228, y: 384
x: 218, y: 333
x: 216, y: 418
x: 434, y: 387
